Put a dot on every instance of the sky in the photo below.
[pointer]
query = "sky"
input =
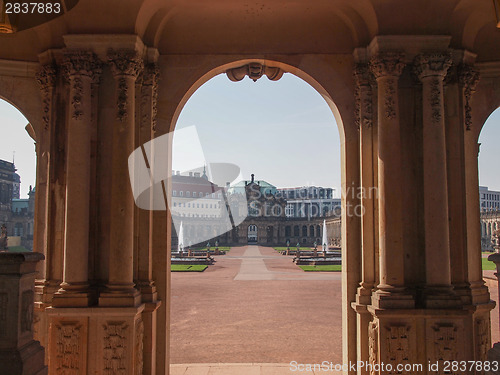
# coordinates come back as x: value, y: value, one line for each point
x: 282, y: 131
x: 15, y: 139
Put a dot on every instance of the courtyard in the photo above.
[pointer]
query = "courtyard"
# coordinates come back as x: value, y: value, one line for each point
x: 256, y: 306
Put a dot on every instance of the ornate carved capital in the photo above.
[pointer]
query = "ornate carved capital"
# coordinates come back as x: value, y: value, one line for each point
x: 151, y: 76
x: 435, y: 99
x: 363, y: 95
x: 46, y: 78
x: 254, y: 71
x: 387, y: 64
x: 125, y: 62
x: 468, y: 78
x: 81, y: 63
x: 432, y: 64
x: 389, y: 97
x: 362, y: 75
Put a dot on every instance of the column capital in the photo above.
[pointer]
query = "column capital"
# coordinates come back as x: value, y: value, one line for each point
x: 468, y: 78
x: 125, y: 63
x: 81, y: 63
x: 362, y: 74
x: 46, y: 79
x: 46, y: 76
x: 432, y: 64
x: 387, y: 64
x: 151, y: 75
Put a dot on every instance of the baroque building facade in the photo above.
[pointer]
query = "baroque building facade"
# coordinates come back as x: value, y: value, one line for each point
x: 200, y: 204
x: 95, y: 88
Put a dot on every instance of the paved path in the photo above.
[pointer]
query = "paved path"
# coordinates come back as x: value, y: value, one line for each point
x: 253, y: 267
x: 255, y: 306
x: 257, y: 309
x: 240, y: 369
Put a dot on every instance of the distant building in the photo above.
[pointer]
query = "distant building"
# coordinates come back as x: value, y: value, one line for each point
x: 488, y: 199
x: 10, y: 182
x: 194, y: 196
x: 264, y: 207
x: 310, y: 201
x: 15, y: 213
x: 490, y: 223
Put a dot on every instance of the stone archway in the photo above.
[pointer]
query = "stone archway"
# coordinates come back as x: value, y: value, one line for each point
x: 398, y: 271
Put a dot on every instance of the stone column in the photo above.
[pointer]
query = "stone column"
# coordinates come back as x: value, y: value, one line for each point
x: 391, y: 293
x: 80, y: 67
x: 147, y: 231
x: 46, y: 80
x: 431, y: 70
x: 19, y: 353
x: 364, y: 117
x: 468, y: 79
x: 126, y: 66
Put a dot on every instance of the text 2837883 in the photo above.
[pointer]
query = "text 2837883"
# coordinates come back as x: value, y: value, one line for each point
x: 32, y: 8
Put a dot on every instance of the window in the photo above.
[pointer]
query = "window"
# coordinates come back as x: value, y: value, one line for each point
x: 181, y: 193
x: 174, y: 193
x: 219, y: 195
x: 194, y: 194
x: 188, y: 193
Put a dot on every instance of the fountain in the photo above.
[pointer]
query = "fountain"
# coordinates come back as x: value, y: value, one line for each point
x: 327, y: 258
x: 179, y: 258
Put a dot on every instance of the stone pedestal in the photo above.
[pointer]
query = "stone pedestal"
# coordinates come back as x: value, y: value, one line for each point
x: 395, y: 338
x: 112, y: 337
x: 20, y: 354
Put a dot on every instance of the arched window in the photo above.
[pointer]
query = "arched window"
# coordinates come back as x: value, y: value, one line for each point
x: 296, y: 231
x: 311, y: 231
x: 181, y: 193
x: 304, y: 231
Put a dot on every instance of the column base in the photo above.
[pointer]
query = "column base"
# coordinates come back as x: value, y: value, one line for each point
x: 441, y: 297
x: 28, y: 360
x: 73, y: 295
x: 392, y: 298
x: 119, y: 297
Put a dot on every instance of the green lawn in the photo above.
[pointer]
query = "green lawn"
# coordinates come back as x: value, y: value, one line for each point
x: 18, y: 249
x: 283, y: 248
x: 212, y: 248
x: 487, y: 265
x: 324, y: 268
x: 188, y: 267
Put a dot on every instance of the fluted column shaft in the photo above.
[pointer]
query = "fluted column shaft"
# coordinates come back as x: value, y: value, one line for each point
x: 46, y: 80
x: 387, y: 67
x: 431, y: 70
x: 126, y: 66
x: 80, y: 67
x: 362, y: 77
